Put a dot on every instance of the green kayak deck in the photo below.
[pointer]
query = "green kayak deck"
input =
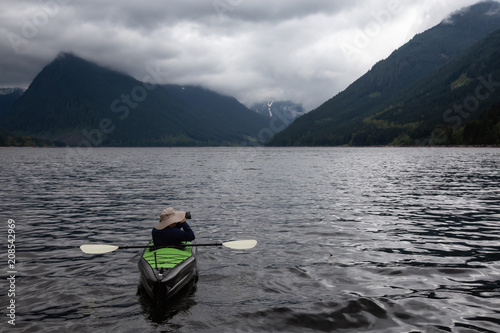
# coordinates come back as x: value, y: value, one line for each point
x: 167, y: 257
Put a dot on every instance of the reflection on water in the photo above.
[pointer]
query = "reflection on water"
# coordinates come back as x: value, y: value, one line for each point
x: 350, y: 239
x: 161, y: 315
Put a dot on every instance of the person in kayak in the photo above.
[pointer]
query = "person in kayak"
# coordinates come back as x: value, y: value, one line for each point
x: 172, y: 228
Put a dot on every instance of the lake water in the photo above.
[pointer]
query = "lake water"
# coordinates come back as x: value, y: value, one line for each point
x: 350, y: 239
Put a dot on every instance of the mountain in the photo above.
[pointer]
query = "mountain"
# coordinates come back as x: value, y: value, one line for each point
x: 483, y: 131
x: 343, y: 119
x: 8, y: 96
x: 81, y: 103
x: 457, y: 93
x: 218, y: 114
x: 286, y: 111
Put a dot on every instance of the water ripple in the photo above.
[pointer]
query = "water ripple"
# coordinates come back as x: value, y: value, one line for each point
x: 350, y: 239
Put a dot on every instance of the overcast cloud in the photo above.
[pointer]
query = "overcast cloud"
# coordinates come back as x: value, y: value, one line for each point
x: 301, y: 50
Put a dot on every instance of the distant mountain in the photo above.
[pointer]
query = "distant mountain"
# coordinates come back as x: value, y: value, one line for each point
x: 80, y: 103
x: 349, y: 117
x: 218, y: 114
x: 286, y: 111
x: 8, y: 96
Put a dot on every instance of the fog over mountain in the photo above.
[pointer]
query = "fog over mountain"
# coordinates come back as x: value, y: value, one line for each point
x: 304, y: 51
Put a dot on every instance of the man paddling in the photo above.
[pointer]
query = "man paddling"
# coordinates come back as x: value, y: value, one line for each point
x: 172, y: 229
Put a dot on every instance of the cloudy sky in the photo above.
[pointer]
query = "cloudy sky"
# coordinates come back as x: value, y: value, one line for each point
x: 255, y: 50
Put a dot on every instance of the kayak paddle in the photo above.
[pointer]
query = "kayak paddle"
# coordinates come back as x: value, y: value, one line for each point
x: 105, y: 248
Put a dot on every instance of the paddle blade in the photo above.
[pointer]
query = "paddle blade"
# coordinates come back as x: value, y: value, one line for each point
x: 97, y: 248
x: 241, y: 244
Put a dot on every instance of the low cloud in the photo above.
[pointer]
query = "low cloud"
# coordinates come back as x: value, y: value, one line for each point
x: 305, y: 51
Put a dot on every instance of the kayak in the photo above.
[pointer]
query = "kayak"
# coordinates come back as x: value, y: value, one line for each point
x: 165, y: 271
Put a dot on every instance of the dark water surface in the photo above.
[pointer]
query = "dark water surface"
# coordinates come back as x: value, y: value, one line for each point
x: 350, y: 239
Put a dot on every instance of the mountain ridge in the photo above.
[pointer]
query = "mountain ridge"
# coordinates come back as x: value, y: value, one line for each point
x: 81, y: 103
x: 335, y: 121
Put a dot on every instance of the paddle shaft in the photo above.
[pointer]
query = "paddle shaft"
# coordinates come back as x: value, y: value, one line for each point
x: 160, y: 247
x: 105, y: 248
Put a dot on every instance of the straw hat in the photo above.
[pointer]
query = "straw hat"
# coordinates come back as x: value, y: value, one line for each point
x: 169, y: 216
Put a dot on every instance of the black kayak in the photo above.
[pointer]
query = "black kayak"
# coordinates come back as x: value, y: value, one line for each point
x: 165, y: 271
